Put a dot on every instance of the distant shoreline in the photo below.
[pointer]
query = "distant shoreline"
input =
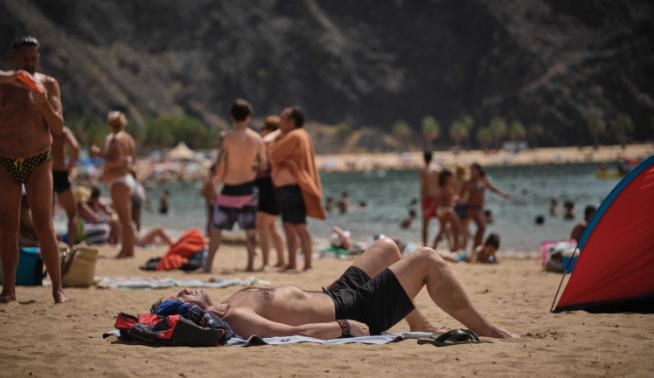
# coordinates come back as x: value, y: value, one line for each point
x: 535, y: 156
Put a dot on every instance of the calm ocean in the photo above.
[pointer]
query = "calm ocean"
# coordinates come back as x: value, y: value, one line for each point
x: 388, y: 194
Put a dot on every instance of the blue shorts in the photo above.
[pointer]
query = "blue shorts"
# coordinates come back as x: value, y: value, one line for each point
x: 225, y: 217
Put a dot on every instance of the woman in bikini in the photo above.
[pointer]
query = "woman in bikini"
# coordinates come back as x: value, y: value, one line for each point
x: 445, y: 211
x: 474, y: 191
x: 268, y: 208
x: 119, y: 155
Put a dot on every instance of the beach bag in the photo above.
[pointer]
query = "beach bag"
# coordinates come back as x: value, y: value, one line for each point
x: 171, y: 330
x: 30, y: 267
x: 78, y: 267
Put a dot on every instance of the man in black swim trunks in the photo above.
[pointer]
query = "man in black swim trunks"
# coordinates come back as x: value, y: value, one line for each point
x: 61, y: 171
x: 371, y: 296
x: 30, y: 113
x: 297, y: 184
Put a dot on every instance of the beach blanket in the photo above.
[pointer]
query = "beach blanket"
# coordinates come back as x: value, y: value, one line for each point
x: 165, y: 283
x: 385, y: 338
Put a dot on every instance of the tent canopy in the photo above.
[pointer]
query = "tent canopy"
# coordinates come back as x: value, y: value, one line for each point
x: 615, y: 268
x: 180, y: 152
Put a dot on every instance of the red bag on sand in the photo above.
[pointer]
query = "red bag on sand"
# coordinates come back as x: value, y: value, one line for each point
x: 173, y: 330
x: 189, y: 243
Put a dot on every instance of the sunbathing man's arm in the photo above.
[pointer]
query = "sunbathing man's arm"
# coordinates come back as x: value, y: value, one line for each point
x: 247, y: 323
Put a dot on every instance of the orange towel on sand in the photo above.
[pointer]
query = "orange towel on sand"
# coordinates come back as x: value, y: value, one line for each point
x: 295, y: 151
x: 189, y: 243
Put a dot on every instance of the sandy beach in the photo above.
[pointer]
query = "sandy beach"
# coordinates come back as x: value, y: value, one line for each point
x: 40, y: 339
x: 544, y: 155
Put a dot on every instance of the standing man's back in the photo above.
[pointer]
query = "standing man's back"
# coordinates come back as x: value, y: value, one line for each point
x: 241, y: 155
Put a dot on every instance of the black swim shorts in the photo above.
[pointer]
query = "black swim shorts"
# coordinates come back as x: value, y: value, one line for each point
x: 380, y: 302
x: 60, y: 181
x: 291, y: 204
x: 267, y: 198
x: 461, y: 210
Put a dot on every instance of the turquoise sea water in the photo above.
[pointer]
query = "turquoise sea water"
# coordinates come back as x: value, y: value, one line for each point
x: 388, y: 194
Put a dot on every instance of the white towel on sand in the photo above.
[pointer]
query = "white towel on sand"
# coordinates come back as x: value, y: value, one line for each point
x: 165, y: 283
x: 384, y: 338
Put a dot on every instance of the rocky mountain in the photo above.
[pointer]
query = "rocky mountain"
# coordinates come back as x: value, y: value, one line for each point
x: 367, y: 63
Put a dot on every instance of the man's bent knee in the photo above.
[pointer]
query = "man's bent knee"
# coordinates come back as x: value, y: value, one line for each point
x: 428, y: 255
x: 386, y: 245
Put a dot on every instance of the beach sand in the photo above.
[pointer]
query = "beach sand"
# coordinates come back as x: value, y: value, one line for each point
x: 40, y: 339
x: 543, y: 155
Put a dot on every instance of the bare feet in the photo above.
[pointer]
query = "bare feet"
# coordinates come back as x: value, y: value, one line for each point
x: 280, y: 264
x: 124, y: 255
x: 7, y: 298
x: 307, y: 267
x: 287, y: 268
x: 59, y: 296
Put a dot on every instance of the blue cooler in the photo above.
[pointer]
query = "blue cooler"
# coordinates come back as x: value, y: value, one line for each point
x: 30, y: 267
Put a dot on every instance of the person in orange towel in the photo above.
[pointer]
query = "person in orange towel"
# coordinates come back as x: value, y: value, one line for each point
x: 297, y: 183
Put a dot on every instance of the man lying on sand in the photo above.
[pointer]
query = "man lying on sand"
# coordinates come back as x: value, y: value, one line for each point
x: 370, y: 297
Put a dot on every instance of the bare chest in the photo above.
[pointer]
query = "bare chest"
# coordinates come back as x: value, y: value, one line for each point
x: 16, y: 103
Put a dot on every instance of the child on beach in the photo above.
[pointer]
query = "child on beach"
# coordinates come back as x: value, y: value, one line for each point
x: 482, y: 254
x: 406, y: 222
x: 578, y: 229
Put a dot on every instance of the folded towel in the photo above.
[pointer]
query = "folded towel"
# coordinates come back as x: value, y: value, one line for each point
x: 165, y: 283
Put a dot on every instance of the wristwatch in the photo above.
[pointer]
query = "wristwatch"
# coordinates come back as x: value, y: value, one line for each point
x: 346, y: 328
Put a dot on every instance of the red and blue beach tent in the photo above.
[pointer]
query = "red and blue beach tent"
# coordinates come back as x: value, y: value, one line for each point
x: 615, y: 268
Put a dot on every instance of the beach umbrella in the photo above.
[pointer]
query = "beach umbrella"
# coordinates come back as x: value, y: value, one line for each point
x: 615, y: 268
x: 181, y: 152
